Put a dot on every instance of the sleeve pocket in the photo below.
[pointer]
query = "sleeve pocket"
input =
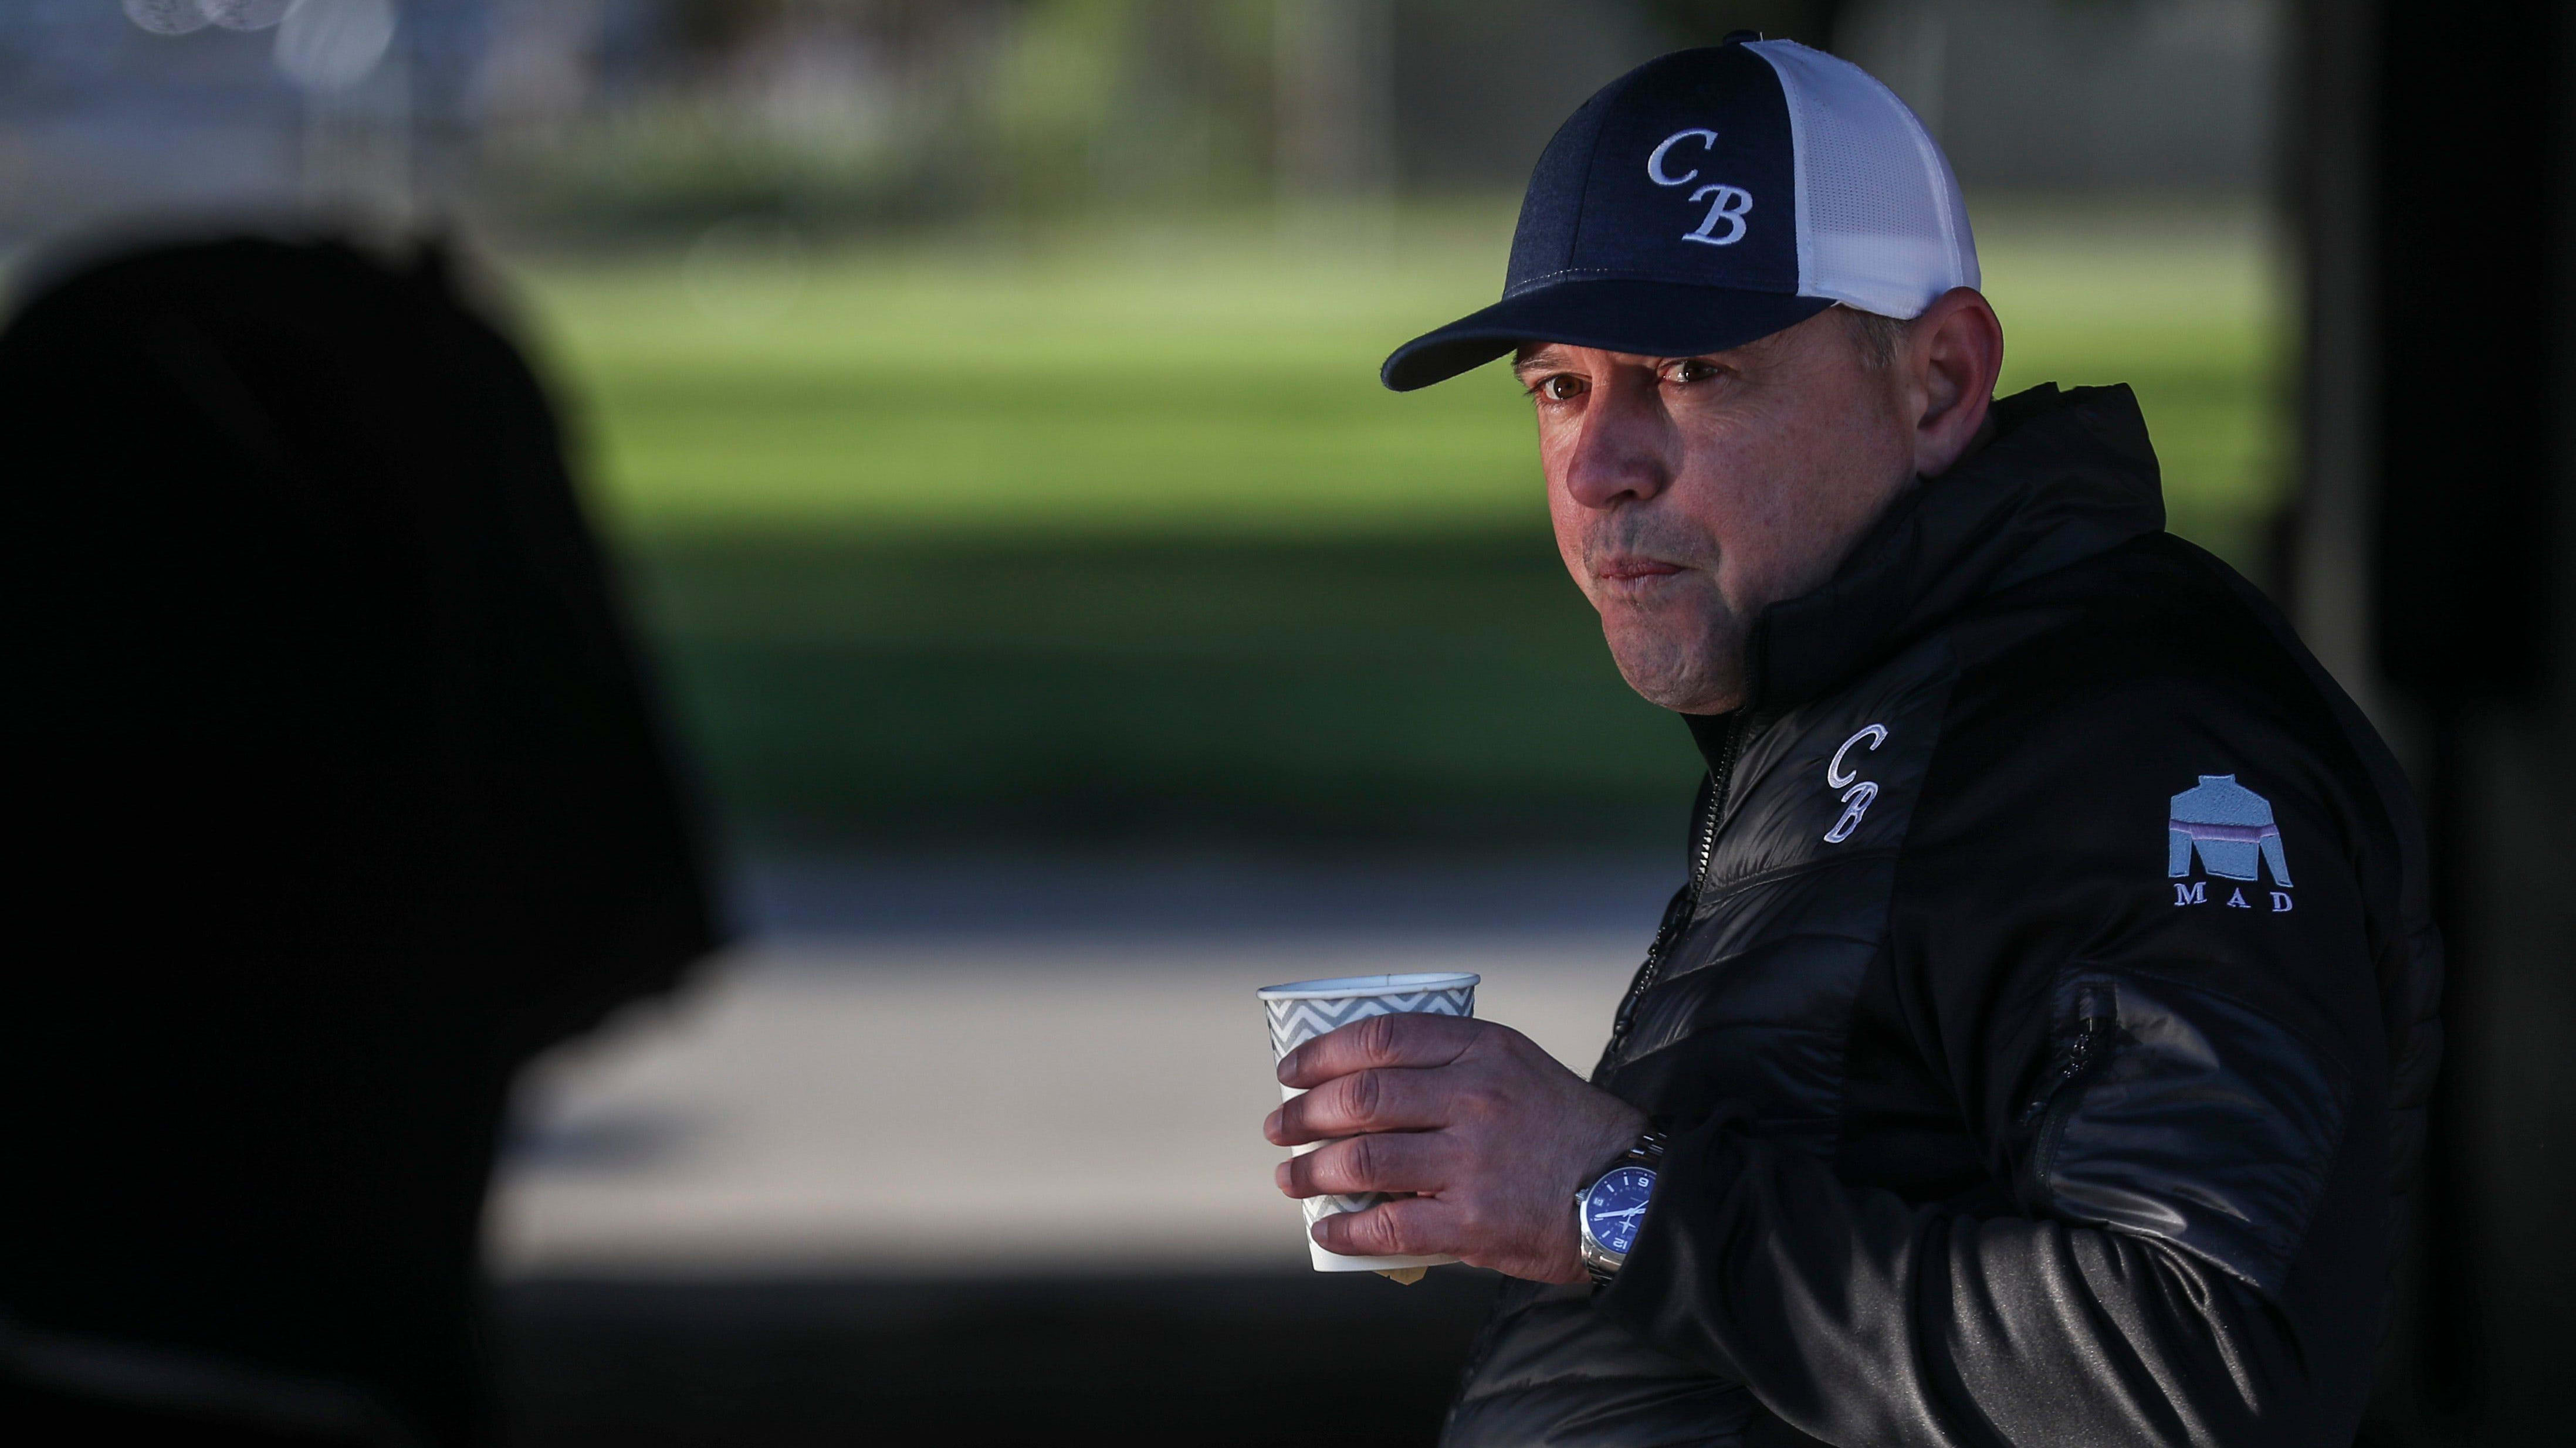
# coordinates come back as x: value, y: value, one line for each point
x: 2198, y: 1121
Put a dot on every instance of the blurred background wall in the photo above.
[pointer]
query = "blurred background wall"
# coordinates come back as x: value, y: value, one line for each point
x: 981, y: 398
x: 2428, y: 569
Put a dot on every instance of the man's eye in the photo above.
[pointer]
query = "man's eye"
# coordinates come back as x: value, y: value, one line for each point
x: 1560, y: 388
x: 1692, y: 369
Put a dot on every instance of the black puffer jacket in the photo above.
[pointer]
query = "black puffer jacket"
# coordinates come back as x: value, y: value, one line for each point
x: 2046, y: 1025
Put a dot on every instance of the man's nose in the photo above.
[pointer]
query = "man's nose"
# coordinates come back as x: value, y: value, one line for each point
x: 1618, y: 454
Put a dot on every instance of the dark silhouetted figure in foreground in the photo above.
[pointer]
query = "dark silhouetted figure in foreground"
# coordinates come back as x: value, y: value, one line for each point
x: 337, y: 796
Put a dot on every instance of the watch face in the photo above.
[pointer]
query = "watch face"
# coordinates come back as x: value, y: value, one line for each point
x: 1616, y: 1204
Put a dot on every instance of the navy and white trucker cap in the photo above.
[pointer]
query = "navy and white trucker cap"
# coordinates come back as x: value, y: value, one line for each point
x: 1713, y: 197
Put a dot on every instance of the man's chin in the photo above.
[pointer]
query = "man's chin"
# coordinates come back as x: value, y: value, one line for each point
x: 1684, y: 660
x: 1685, y: 686
x: 1695, y: 701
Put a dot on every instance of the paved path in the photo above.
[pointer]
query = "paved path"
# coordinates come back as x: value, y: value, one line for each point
x: 945, y: 1105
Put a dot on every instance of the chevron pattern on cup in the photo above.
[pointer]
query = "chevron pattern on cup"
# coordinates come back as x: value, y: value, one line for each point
x: 1293, y: 1023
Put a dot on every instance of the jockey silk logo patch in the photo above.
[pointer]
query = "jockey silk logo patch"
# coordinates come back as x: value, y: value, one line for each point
x: 2231, y: 832
x: 2231, y: 829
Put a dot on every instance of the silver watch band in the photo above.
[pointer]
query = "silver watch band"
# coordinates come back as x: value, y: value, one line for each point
x: 1600, y: 1261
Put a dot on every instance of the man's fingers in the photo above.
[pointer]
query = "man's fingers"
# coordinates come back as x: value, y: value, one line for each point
x: 1379, y: 1099
x: 1405, y: 1227
x: 1407, y: 1039
x: 1402, y: 1161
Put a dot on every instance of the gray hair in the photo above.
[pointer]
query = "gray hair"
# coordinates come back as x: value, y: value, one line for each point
x: 1878, y: 338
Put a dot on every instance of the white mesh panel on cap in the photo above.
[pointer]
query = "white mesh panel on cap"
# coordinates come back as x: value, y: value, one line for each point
x: 1880, y: 222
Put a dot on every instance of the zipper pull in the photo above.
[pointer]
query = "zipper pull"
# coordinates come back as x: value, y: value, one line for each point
x: 2097, y: 1010
x: 2097, y: 1021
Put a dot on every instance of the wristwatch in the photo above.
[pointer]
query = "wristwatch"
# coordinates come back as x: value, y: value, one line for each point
x: 1609, y: 1212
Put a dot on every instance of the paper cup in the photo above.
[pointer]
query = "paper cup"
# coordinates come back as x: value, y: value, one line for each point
x: 1303, y: 1010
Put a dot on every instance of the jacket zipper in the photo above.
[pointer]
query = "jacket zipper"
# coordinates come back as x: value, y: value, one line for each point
x: 1704, y: 847
x: 2097, y: 1024
x: 2095, y: 1017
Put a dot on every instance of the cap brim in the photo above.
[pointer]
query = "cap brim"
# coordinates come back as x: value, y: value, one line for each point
x: 1656, y: 319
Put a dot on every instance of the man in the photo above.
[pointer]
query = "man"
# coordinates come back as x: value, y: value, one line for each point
x: 2037, y: 1049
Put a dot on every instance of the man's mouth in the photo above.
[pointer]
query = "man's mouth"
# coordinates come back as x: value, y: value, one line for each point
x: 1632, y: 570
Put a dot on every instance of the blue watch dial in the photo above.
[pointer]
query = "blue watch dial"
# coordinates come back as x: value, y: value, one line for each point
x: 1616, y: 1206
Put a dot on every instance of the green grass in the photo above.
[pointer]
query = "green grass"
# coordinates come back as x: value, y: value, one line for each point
x: 1118, y: 536
x: 1215, y: 382
x: 2187, y: 306
x: 1104, y: 688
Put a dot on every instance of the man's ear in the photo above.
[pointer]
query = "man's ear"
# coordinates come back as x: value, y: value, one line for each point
x: 1953, y: 354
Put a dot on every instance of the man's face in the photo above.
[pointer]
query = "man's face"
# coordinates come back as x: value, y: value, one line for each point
x: 1690, y: 492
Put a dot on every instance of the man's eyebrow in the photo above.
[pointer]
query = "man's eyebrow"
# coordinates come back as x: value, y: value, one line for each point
x: 1545, y: 354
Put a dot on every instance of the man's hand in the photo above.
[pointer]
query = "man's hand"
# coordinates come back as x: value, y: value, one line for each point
x: 1490, y: 1135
